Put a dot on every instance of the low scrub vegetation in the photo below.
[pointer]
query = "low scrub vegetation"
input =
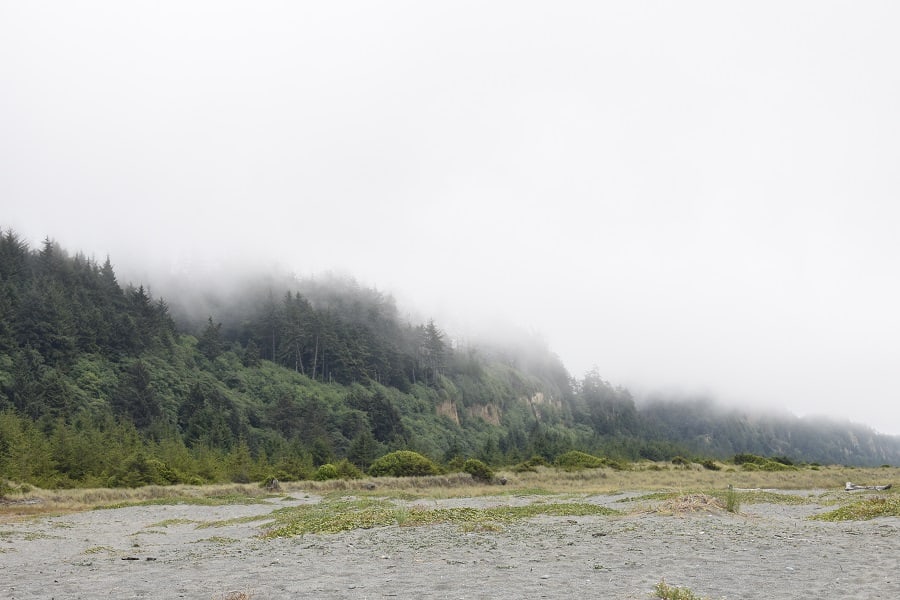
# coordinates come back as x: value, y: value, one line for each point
x: 403, y: 463
x: 864, y: 509
x: 365, y: 513
x: 671, y: 592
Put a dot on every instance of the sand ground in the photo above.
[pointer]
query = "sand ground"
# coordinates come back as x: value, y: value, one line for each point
x: 766, y: 551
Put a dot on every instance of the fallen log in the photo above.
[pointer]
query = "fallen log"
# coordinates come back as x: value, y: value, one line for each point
x: 850, y: 487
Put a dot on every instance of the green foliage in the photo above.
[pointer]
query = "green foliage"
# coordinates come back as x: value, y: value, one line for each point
x: 326, y: 472
x: 95, y: 379
x: 365, y: 513
x: 575, y: 461
x: 752, y: 462
x: 865, y: 509
x: 732, y: 500
x: 531, y: 465
x: 403, y: 463
x: 742, y: 459
x: 344, y: 469
x: 478, y: 470
x: 139, y: 470
x: 680, y: 461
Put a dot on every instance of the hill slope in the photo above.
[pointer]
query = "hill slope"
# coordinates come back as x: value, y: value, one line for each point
x: 104, y: 384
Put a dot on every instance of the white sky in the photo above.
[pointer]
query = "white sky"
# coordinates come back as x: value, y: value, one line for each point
x: 692, y: 196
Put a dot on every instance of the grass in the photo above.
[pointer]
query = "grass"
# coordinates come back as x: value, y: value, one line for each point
x: 366, y: 513
x: 38, y: 502
x: 170, y: 522
x: 218, y: 539
x: 544, y: 481
x: 864, y: 509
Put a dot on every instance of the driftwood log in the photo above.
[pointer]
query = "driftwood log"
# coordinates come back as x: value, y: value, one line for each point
x: 850, y: 487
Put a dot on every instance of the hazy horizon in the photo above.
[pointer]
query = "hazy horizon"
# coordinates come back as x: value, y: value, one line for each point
x: 699, y: 198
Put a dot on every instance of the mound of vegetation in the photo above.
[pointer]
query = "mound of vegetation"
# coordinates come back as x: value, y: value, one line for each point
x: 575, y: 460
x: 403, y: 463
x: 478, y: 470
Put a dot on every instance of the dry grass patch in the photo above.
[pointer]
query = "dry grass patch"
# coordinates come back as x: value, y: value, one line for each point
x: 543, y: 481
x: 690, y: 503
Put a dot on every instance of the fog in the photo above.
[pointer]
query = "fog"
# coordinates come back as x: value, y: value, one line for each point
x: 694, y: 197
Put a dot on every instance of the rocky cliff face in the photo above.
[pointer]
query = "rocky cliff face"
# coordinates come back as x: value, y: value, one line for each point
x: 492, y: 412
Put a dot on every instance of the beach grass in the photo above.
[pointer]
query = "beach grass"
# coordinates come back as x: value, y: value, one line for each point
x: 654, y: 478
x: 333, y: 516
x: 864, y: 509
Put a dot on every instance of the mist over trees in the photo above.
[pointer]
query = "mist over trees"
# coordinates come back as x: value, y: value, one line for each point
x: 104, y: 384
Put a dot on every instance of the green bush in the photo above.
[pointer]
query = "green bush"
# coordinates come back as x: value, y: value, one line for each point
x: 403, y: 463
x: 681, y: 461
x: 743, y: 459
x: 531, y: 465
x: 139, y: 470
x: 347, y: 470
x: 575, y: 461
x: 478, y: 470
x: 711, y: 465
x: 326, y: 472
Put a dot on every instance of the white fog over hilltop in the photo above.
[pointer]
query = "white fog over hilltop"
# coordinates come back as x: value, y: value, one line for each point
x: 694, y: 197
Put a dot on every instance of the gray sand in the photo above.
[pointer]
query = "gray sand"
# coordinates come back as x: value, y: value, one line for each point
x: 766, y: 551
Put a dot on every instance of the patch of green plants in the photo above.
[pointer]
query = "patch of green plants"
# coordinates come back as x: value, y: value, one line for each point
x: 478, y: 470
x: 332, y: 517
x: 98, y: 550
x: 680, y: 461
x: 223, y: 500
x: 403, y: 463
x: 863, y: 510
x: 28, y: 536
x: 169, y: 522
x: 341, y: 470
x: 671, y: 592
x: 752, y: 462
x: 234, y: 521
x: 575, y: 460
x: 217, y: 539
x: 345, y: 515
x: 651, y: 497
x: 531, y: 465
x: 764, y: 497
x: 732, y: 500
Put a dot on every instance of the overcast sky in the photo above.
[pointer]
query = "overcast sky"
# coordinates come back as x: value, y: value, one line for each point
x: 693, y: 196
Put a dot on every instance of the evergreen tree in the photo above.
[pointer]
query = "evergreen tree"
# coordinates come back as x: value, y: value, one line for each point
x: 210, y: 342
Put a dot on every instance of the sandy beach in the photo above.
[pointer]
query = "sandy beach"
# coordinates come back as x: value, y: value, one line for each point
x: 765, y: 551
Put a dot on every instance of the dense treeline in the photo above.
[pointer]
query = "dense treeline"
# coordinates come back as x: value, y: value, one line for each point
x: 103, y: 384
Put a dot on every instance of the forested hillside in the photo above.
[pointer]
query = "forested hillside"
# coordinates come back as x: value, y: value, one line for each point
x: 101, y: 383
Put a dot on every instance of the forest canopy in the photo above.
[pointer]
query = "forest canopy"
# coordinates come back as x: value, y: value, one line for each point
x: 101, y: 383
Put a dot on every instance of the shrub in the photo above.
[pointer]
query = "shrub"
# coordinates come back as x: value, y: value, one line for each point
x: 743, y: 459
x: 347, y: 470
x: 531, y: 465
x: 478, y: 470
x: 326, y: 472
x: 403, y: 463
x: 575, y: 461
x: 711, y: 465
x: 732, y: 500
x: 681, y: 461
